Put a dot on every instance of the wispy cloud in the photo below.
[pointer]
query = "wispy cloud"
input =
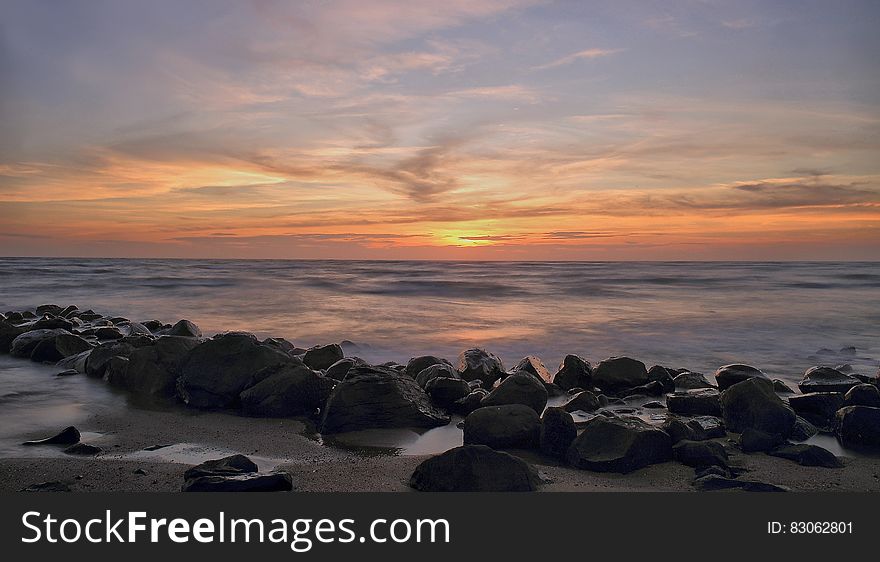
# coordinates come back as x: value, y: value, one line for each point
x: 586, y: 54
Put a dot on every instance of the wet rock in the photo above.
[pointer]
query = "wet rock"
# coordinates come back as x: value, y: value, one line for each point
x: 807, y: 455
x: 702, y: 471
x: 469, y: 403
x: 155, y: 325
x: 863, y: 395
x: 444, y: 391
x: 286, y: 390
x: 535, y: 367
x: 512, y: 426
x: 153, y: 369
x: 782, y: 388
x: 418, y: 364
x: 67, y: 436
x: 574, y: 372
x: 707, y: 427
x: 106, y: 333
x: 858, y: 427
x: 653, y: 388
x: 67, y: 373
x: 802, y: 430
x: 322, y: 356
x: 53, y: 486
x: 817, y: 407
x: 520, y: 388
x: 585, y: 401
x: 376, y: 397
x: 474, y: 468
x: 754, y: 404
x: 276, y: 481
x: 664, y: 376
x: 695, y: 402
x: 227, y: 466
x: 82, y: 449
x: 691, y: 381
x: 8, y: 332
x: 100, y: 356
x: 700, y: 453
x: 754, y: 441
x: 186, y: 329
x: 619, y: 445
x: 619, y: 373
x: 48, y: 309
x: 339, y: 370
x: 215, y: 372
x: 558, y: 430
x: 436, y: 370
x: 729, y: 375
x: 653, y: 405
x: 54, y: 349
x: 134, y: 329
x: 480, y: 364
x: 826, y: 379
x: 24, y: 344
x: 53, y: 323
x: 678, y: 430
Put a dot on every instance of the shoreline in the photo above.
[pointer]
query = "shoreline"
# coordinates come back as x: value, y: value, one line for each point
x: 286, y: 443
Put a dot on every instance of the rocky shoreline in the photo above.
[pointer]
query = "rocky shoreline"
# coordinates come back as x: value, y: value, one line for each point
x: 615, y: 417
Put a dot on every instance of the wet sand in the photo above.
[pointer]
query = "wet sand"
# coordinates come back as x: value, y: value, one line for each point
x: 291, y: 445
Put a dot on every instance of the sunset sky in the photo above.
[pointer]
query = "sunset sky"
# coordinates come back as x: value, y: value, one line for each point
x: 453, y: 129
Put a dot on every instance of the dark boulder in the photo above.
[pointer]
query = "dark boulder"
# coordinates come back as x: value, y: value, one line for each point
x: 469, y: 403
x: 436, y: 370
x: 100, y: 356
x: 276, y: 481
x: 863, y: 395
x: 480, y: 364
x: 377, y: 397
x: 826, y: 379
x: 215, y: 372
x: 444, y: 391
x: 8, y: 332
x: 153, y: 369
x: 695, y: 402
x: 753, y: 403
x: 418, y: 364
x: 691, y: 381
x: 286, y: 390
x: 858, y: 427
x: 67, y: 436
x: 535, y: 367
x: 678, y: 430
x: 807, y: 455
x: 322, y: 356
x: 558, y: 430
x: 664, y: 376
x: 585, y: 401
x: 107, y: 333
x: 53, y: 323
x: 511, y: 426
x: 574, y: 372
x: 707, y: 427
x: 802, y: 430
x: 653, y: 388
x: 186, y: 329
x: 619, y: 373
x: 520, y: 388
x: 817, y: 407
x: 474, y: 468
x: 23, y: 345
x: 729, y: 375
x: 782, y: 388
x: 619, y: 445
x: 339, y: 370
x: 700, y: 453
x: 54, y: 349
x: 754, y: 441
x: 227, y: 466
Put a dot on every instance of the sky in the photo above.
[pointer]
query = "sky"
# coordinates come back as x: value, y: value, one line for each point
x: 462, y: 129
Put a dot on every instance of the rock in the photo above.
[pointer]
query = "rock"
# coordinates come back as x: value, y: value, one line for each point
x: 558, y: 430
x: 53, y: 486
x: 286, y: 390
x: 782, y: 388
x: 284, y: 346
x: 520, y: 388
x: 82, y: 449
x: 322, y: 356
x: 512, y: 426
x: 153, y: 370
x: 619, y: 445
x: 664, y: 376
x: 802, y: 430
x: 155, y: 325
x: 691, y: 381
x: 443, y: 370
x: 418, y: 364
x: 695, y: 402
x: 116, y: 369
x: 678, y: 430
x: 75, y: 362
x: 480, y: 364
x: 135, y: 329
x: 574, y: 372
x: 54, y: 349
x: 376, y: 397
x: 753, y: 403
x: 470, y: 402
x: 707, y: 427
x: 858, y: 427
x: 339, y: 370
x: 863, y: 395
x: 444, y: 391
x: 67, y: 373
x: 807, y: 455
x: 186, y: 329
x: 535, y: 367
x: 100, y: 356
x: 48, y: 309
x: 817, y: 407
x: 276, y: 481
x: 702, y: 471
x: 714, y: 482
x: 826, y: 379
x: 700, y: 453
x: 754, y: 441
x: 653, y: 388
x: 23, y: 345
x: 8, y: 332
x: 227, y: 466
x: 215, y: 372
x: 585, y: 401
x: 619, y: 373
x: 68, y: 311
x: 105, y: 333
x: 474, y: 468
x: 653, y: 405
x: 729, y: 375
x: 53, y: 323
x: 67, y: 436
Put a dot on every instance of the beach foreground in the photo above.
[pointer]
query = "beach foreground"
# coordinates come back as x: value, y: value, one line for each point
x: 615, y: 426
